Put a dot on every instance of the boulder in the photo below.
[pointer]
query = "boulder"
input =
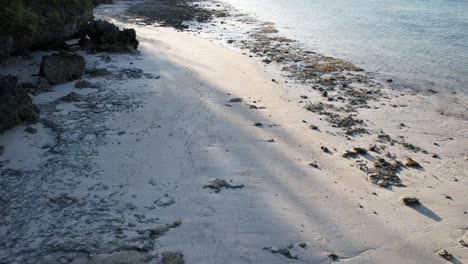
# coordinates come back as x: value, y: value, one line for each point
x: 27, y: 25
x: 105, y: 36
x: 62, y: 67
x: 15, y: 104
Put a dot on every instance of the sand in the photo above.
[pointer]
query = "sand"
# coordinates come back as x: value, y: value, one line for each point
x: 127, y: 175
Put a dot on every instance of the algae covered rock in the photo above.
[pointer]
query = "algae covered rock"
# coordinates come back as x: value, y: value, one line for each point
x: 62, y: 67
x: 15, y: 104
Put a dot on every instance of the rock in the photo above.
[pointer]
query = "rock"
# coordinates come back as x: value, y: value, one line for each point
x: 314, y: 164
x: 409, y: 200
x: 271, y: 140
x: 42, y: 85
x: 389, y: 80
x: 162, y: 230
x: 71, y: 97
x: 313, y: 127
x: 354, y: 152
x: 41, y: 24
x: 98, y: 72
x: 121, y: 257
x: 172, y: 258
x: 236, y: 100
x: 105, y: 36
x: 325, y: 149
x: 333, y: 256
x: 445, y: 254
x: 409, y: 162
x: 15, y: 104
x: 165, y: 202
x: 30, y: 130
x: 85, y: 84
x: 62, y: 67
x: 218, y: 184
x: 282, y: 251
x: 258, y: 124
x: 2, y: 150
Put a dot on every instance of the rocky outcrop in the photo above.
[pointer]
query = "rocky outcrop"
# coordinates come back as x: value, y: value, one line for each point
x: 39, y: 24
x: 15, y: 104
x: 104, y: 36
x: 62, y: 67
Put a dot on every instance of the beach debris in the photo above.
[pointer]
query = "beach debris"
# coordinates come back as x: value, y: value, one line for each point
x: 445, y: 254
x: 325, y: 149
x: 382, y: 172
x: 258, y: 124
x: 218, y: 184
x: 271, y: 140
x: 71, y: 97
x: 282, y: 251
x: 172, y: 258
x: 333, y: 256
x: 409, y: 200
x: 354, y: 152
x: 389, y: 80
x: 62, y: 67
x: 435, y: 156
x: 236, y: 100
x: 251, y: 106
x: 409, y: 162
x: 30, y: 130
x: 303, y: 245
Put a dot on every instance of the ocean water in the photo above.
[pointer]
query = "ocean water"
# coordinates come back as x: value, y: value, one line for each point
x: 421, y: 44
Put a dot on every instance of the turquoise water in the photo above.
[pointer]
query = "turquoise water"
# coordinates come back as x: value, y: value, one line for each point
x: 421, y: 44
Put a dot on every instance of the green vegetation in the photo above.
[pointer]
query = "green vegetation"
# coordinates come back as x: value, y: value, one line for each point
x: 25, y: 16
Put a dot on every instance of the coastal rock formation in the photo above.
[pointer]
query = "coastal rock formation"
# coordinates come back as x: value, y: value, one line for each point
x: 62, y: 67
x: 105, y: 36
x: 38, y: 24
x: 15, y: 104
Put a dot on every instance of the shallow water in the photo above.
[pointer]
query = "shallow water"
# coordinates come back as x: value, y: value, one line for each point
x: 422, y: 44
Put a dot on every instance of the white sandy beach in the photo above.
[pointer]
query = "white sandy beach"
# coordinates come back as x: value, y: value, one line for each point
x: 145, y: 166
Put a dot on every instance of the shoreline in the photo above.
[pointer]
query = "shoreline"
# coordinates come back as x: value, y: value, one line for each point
x: 133, y: 160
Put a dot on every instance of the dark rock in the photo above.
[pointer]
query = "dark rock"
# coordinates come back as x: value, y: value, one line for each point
x: 30, y: 25
x: 85, y: 84
x: 389, y: 80
x: 409, y: 200
x: 62, y: 67
x: 15, y: 104
x: 42, y: 86
x: 258, y: 124
x: 98, y: 72
x: 325, y: 149
x: 105, y: 36
x: 218, y: 184
x: 71, y: 97
x: 333, y: 256
x: 30, y: 130
x: 172, y: 258
x: 236, y: 100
